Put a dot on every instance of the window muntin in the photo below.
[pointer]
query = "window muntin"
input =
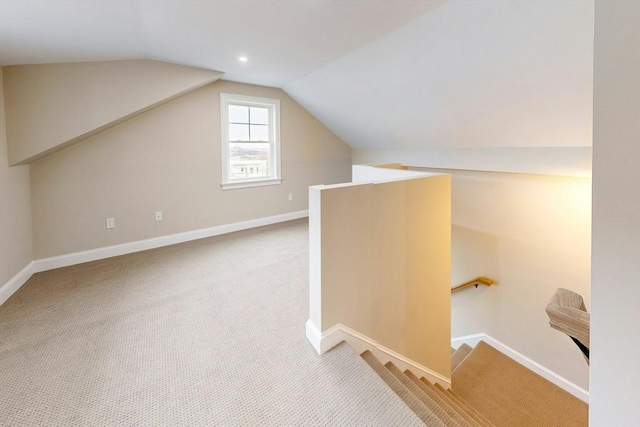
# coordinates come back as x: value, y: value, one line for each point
x: 250, y: 141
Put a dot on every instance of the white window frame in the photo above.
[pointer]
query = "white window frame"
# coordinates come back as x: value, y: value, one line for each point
x: 273, y: 105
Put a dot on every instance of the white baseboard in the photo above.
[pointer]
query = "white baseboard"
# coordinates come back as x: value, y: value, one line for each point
x: 141, y: 245
x: 333, y: 336
x: 157, y: 242
x: 315, y: 337
x: 16, y: 281
x: 545, y: 373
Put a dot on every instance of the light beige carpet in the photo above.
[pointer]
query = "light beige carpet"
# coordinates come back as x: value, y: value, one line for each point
x: 209, y: 333
x: 459, y: 355
x: 508, y: 394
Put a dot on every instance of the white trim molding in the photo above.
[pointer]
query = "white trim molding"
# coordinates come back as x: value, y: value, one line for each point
x: 16, y: 282
x: 549, y: 375
x: 324, y: 341
x: 249, y: 184
x: 315, y: 337
x: 141, y: 245
x: 273, y: 126
x: 157, y: 242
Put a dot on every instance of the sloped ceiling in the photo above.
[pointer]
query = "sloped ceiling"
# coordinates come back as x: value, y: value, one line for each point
x: 70, y: 102
x: 396, y: 75
x: 466, y: 74
x: 284, y: 40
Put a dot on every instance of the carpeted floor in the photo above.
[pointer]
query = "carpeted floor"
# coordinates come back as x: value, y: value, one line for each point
x: 509, y: 394
x: 210, y: 332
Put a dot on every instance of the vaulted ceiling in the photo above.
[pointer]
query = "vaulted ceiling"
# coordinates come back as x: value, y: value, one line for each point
x: 283, y: 40
x: 393, y: 75
x: 466, y: 74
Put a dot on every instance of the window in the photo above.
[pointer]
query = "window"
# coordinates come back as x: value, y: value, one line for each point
x: 250, y: 141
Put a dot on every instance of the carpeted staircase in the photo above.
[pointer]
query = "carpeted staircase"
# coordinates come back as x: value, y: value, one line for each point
x: 488, y: 389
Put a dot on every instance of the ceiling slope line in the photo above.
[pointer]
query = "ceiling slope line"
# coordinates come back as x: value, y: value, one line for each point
x: 76, y: 101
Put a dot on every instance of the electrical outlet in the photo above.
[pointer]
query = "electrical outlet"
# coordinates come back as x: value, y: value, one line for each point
x: 159, y: 216
x: 111, y: 223
x: 290, y: 196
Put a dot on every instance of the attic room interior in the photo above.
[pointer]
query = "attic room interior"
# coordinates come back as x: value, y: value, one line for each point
x: 254, y: 212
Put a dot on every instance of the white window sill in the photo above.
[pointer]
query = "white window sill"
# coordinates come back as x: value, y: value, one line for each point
x: 248, y: 184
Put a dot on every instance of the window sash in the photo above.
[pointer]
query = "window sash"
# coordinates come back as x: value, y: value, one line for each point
x: 273, y: 141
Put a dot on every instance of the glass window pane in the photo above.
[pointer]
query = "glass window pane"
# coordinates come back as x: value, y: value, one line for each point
x: 249, y: 160
x: 238, y: 114
x: 259, y: 132
x: 259, y: 116
x: 238, y: 132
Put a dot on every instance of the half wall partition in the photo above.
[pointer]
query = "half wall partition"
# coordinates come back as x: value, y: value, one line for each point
x: 380, y: 256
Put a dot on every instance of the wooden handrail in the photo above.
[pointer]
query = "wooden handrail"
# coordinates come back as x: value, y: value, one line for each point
x: 475, y: 282
x: 567, y: 313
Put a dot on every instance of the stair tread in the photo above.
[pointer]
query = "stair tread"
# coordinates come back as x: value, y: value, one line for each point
x: 475, y: 413
x: 517, y: 396
x: 443, y: 393
x: 448, y: 392
x: 459, y: 355
x: 443, y: 401
x: 416, y: 405
x: 450, y: 418
x: 439, y: 387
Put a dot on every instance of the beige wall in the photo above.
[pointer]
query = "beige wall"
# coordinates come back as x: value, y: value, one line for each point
x: 168, y: 159
x: 50, y: 106
x: 530, y: 233
x: 615, y: 320
x: 15, y: 209
x: 383, y: 261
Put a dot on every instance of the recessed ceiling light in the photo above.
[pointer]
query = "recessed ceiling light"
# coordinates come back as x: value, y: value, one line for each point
x: 243, y: 59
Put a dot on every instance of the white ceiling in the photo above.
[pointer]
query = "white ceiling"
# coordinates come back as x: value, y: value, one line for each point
x: 380, y: 74
x: 466, y: 74
x: 284, y: 40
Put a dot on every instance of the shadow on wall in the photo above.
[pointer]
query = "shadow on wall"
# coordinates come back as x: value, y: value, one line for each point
x: 473, y: 254
x: 530, y: 233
